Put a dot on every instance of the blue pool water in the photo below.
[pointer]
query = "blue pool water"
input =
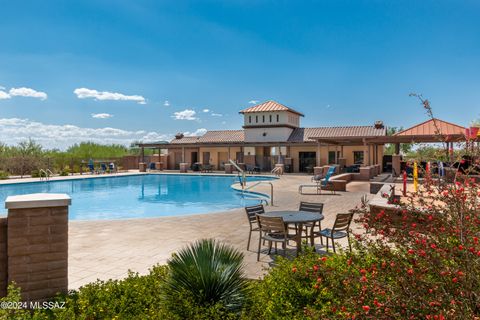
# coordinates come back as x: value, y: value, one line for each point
x: 141, y: 196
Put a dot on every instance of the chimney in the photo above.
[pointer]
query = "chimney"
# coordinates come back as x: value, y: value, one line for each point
x: 378, y: 124
x: 179, y: 136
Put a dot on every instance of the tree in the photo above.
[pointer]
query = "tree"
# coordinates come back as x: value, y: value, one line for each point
x: 390, y: 147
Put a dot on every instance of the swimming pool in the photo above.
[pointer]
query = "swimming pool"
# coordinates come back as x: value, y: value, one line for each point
x: 141, y: 196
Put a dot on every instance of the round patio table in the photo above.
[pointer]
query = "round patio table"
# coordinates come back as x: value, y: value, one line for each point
x: 298, y: 218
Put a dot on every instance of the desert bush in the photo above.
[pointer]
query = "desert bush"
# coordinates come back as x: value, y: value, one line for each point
x: 207, y: 274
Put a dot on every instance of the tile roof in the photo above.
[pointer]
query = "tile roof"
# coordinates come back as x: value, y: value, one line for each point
x: 269, y: 106
x: 184, y: 140
x: 219, y: 136
x: 222, y: 136
x: 298, y: 134
x: 428, y: 128
x: 303, y: 134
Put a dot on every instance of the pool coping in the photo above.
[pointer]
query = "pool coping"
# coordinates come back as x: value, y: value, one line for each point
x: 118, y: 175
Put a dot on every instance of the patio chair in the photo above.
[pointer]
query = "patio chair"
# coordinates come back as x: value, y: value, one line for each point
x: 320, y: 183
x: 341, y: 229
x: 252, y: 212
x: 316, y: 207
x: 207, y: 168
x: 273, y: 229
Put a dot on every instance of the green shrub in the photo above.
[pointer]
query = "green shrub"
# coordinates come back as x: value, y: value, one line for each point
x: 4, y: 175
x: 207, y: 274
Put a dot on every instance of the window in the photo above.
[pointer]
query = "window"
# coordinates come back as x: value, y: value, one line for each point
x: 256, y: 119
x: 270, y: 118
x: 249, y: 119
x: 358, y: 157
x: 278, y: 118
x: 263, y: 119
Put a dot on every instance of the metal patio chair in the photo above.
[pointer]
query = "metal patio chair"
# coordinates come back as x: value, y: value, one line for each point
x: 251, y: 212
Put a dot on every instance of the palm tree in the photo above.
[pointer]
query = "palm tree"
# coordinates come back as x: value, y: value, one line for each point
x: 210, y: 272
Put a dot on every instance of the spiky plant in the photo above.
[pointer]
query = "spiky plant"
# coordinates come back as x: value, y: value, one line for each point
x: 209, y: 273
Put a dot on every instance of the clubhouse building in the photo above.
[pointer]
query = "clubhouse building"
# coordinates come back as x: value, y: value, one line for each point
x: 272, y: 134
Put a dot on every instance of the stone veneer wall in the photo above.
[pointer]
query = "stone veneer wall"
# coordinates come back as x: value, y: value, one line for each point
x: 3, y: 257
x: 36, y: 243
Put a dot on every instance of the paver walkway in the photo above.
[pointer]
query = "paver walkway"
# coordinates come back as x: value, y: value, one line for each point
x: 108, y: 249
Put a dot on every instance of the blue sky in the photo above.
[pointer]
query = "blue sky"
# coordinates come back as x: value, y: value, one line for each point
x: 339, y: 62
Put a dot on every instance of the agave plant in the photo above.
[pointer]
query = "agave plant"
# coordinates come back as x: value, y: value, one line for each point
x: 210, y: 273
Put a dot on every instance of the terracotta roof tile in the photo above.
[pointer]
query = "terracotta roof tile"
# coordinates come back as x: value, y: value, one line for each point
x: 268, y: 106
x: 222, y: 136
x: 185, y: 140
x: 303, y: 134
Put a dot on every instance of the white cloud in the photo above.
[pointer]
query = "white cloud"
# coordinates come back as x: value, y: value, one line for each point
x: 84, y: 93
x: 187, y: 114
x: 217, y: 115
x: 166, y: 103
x: 22, y: 92
x: 27, y: 92
x: 101, y: 115
x: 253, y: 101
x: 4, y: 95
x: 14, y: 130
x: 198, y: 132
x: 206, y: 110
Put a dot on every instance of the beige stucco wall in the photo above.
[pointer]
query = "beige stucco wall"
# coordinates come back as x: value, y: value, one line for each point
x: 271, y: 134
x: 284, y: 117
x: 220, y: 154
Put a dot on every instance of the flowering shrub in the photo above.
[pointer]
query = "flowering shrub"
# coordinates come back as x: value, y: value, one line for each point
x: 421, y: 262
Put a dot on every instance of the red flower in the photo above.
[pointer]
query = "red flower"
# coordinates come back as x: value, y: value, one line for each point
x: 410, y: 271
x: 475, y: 240
x: 324, y: 259
x: 366, y: 309
x: 363, y: 271
x: 315, y: 268
x: 455, y: 280
x: 363, y: 279
x: 410, y: 251
x: 294, y: 269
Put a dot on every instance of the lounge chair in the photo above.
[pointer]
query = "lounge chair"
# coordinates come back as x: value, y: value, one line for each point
x: 273, y: 229
x: 207, y: 168
x: 321, y: 184
x: 341, y: 229
x: 252, y: 212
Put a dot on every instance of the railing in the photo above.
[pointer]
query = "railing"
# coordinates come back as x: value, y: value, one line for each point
x: 45, y: 174
x: 243, y: 178
x: 243, y: 181
x: 258, y: 183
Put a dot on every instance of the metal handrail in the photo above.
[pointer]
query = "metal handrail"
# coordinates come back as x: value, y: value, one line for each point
x: 243, y: 180
x: 48, y: 173
x: 41, y: 175
x: 258, y: 183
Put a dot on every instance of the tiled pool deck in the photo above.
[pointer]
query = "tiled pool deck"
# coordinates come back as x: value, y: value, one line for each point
x: 107, y: 249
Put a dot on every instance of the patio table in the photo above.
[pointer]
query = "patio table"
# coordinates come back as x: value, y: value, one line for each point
x: 298, y: 218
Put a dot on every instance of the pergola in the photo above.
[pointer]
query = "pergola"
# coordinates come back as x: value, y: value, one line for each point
x: 152, y: 145
x: 430, y: 131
